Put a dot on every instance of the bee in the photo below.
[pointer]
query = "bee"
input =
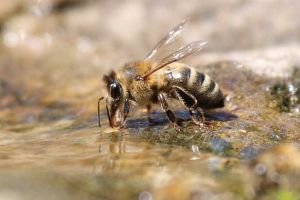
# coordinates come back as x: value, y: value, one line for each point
x: 146, y: 82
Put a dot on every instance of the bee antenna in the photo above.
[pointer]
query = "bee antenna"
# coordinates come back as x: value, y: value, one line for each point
x: 106, y: 79
x: 99, y: 100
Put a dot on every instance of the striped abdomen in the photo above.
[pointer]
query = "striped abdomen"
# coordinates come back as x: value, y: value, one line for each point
x: 205, y: 90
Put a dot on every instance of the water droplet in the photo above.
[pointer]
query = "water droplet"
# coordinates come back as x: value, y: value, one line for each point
x: 194, y: 158
x: 275, y: 137
x: 228, y: 98
x: 291, y: 88
x: 195, y: 148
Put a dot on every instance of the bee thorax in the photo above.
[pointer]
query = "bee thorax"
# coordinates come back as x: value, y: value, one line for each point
x: 142, y: 92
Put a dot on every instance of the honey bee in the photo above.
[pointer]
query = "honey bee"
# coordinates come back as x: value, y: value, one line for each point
x: 146, y: 82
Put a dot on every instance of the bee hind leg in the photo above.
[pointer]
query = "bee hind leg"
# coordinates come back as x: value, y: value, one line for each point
x: 197, y: 116
x: 165, y: 106
x: 190, y: 102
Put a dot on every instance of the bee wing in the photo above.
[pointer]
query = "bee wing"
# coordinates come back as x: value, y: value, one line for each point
x: 170, y: 37
x: 181, y: 53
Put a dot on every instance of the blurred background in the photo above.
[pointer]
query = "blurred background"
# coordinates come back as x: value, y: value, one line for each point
x: 53, y: 54
x: 69, y: 43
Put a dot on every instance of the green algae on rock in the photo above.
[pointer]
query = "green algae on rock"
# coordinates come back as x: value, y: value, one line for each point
x: 287, y: 93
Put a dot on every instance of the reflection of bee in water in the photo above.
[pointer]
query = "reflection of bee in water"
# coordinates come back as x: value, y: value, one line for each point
x: 147, y: 82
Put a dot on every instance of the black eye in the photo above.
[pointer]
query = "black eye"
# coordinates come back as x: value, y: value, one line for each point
x: 115, y: 90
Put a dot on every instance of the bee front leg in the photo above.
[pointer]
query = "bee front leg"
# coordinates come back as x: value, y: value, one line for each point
x: 126, y: 108
x: 165, y: 106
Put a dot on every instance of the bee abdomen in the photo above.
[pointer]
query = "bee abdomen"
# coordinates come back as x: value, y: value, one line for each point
x: 206, y: 91
x: 201, y: 86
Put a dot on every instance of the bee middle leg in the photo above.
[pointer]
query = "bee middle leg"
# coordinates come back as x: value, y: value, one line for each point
x: 149, y: 113
x: 190, y: 102
x: 165, y: 106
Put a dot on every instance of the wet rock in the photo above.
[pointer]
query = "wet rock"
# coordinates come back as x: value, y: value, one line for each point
x: 278, y: 61
x: 10, y: 92
x: 185, y: 186
x: 219, y: 145
x: 287, y: 93
x: 249, y: 152
x: 278, y: 168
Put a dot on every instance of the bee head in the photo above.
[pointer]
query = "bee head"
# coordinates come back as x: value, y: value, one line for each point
x: 116, y: 98
x: 113, y: 86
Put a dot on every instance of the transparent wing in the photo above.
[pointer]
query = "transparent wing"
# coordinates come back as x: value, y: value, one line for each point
x: 183, y: 52
x: 170, y: 37
x: 178, y: 55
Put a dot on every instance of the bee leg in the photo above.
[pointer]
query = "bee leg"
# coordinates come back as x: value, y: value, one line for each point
x: 203, y: 117
x: 149, y: 113
x: 186, y: 98
x: 165, y: 106
x: 196, y: 115
x: 126, y: 108
x: 190, y: 102
x: 202, y: 114
x: 108, y: 115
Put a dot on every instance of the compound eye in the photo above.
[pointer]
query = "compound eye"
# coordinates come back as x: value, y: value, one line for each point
x: 115, y: 90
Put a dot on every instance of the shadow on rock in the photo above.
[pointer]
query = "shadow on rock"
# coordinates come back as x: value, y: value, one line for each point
x: 159, y: 118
